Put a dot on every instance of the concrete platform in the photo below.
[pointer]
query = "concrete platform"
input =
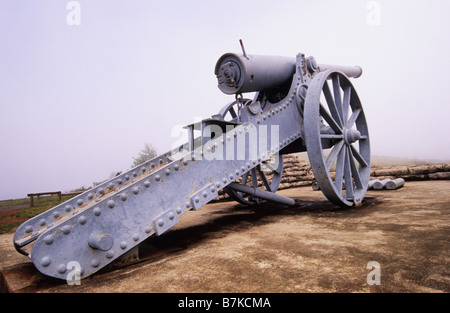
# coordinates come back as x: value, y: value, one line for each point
x: 311, y: 247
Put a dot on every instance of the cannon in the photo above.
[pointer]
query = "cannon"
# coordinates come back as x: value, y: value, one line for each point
x: 297, y: 105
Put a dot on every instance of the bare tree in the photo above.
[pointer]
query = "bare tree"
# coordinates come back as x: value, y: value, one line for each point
x: 149, y: 152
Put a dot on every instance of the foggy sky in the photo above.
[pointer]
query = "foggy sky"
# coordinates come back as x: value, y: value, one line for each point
x: 78, y: 102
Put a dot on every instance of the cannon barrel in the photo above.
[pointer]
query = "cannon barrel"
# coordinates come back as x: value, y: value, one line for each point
x: 238, y: 73
x: 349, y: 71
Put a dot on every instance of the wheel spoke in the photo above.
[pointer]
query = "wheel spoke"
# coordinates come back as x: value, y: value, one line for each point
x: 331, y: 104
x: 270, y: 167
x: 353, y: 118
x: 264, y: 179
x: 333, y: 154
x: 233, y: 112
x: 355, y: 171
x: 327, y: 117
x: 348, y: 177
x: 337, y: 96
x: 346, y: 102
x: 358, y: 157
x: 331, y: 136
x: 340, y: 170
x: 254, y: 178
x: 244, y: 178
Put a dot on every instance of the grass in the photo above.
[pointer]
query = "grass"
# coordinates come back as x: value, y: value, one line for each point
x: 10, y: 221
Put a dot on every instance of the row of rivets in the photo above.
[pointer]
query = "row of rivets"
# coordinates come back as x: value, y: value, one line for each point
x: 90, y: 196
x: 49, y: 239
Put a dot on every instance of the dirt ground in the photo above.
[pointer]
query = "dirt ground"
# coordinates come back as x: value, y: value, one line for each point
x: 313, y: 246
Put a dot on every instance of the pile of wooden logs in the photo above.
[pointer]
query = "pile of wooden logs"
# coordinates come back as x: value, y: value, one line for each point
x: 297, y: 172
x: 413, y: 172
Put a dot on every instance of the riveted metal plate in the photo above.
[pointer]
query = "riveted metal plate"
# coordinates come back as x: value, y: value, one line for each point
x: 203, y: 196
x: 165, y: 221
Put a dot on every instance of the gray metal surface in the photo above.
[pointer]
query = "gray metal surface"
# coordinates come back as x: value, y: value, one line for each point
x: 95, y: 228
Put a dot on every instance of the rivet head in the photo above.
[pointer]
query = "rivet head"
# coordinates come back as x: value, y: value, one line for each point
x: 188, y: 205
x: 185, y: 161
x: 237, y: 173
x: 66, y: 229
x: 80, y: 202
x: 167, y: 172
x: 178, y: 210
x: 68, y: 208
x: 224, y: 180
x: 212, y: 189
x: 61, y: 268
x: 218, y: 184
x: 127, y: 177
x: 95, y: 263
x: 82, y: 220
x: 56, y: 214
x: 123, y: 245
x: 111, y: 204
x: 231, y: 176
x: 123, y: 197
x: 204, y: 194
x: 146, y: 184
x: 97, y: 211
x: 196, y: 199
x: 100, y: 241
x: 49, y: 239
x: 147, y: 229
x: 176, y: 167
x: 101, y: 191
x: 160, y: 222
x: 157, y: 178
x: 135, y: 190
x: 110, y: 254
x: 42, y: 222
x: 134, y: 174
x: 45, y: 261
x: 171, y: 216
x: 119, y: 181
x: 90, y: 196
x: 135, y: 237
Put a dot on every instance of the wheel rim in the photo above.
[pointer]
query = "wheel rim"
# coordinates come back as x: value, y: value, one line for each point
x: 270, y: 177
x: 334, y: 117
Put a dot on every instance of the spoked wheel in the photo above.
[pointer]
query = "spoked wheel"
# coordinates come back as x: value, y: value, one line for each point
x: 230, y: 111
x: 269, y: 174
x: 335, y: 118
x: 266, y: 174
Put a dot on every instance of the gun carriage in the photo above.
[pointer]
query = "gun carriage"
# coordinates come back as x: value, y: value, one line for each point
x: 298, y: 105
